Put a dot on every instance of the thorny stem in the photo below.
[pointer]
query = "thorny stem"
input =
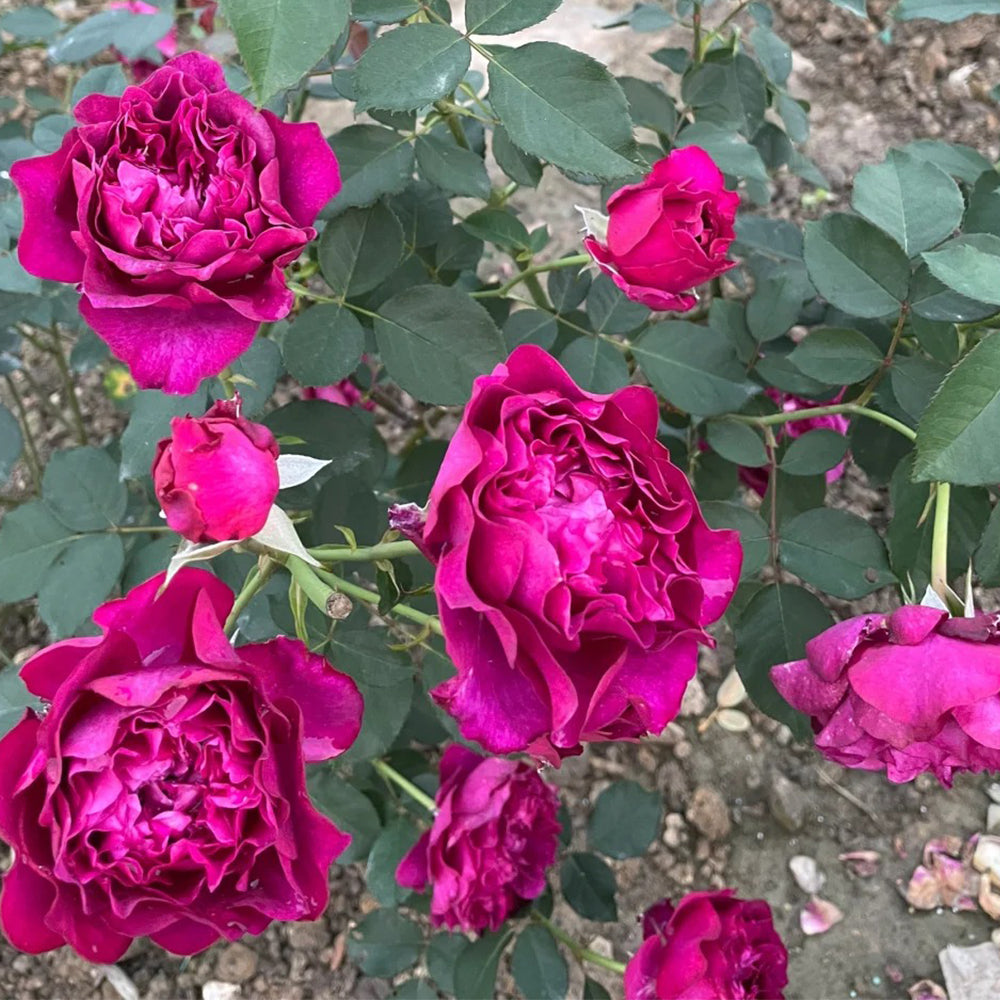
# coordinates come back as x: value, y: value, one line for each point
x: 897, y: 333
x: 580, y: 953
x: 449, y: 112
x: 74, y: 403
x: 533, y: 285
x: 529, y: 272
x: 939, y: 542
x: 256, y: 582
x: 823, y: 411
x: 393, y: 776
x: 370, y: 553
x: 31, y: 458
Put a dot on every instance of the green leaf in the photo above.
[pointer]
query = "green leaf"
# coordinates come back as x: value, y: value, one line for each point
x: 374, y: 161
x: 983, y: 213
x: 960, y: 161
x: 987, y: 554
x: 31, y: 539
x: 386, y: 853
x: 957, y: 435
x: 81, y: 577
x: 415, y: 989
x: 538, y: 967
x: 777, y: 301
x: 530, y: 326
x: 608, y: 834
x: 384, y: 11
x: 434, y: 341
x: 458, y: 250
x: 424, y: 213
x: 588, y: 885
x: 565, y: 107
x: 969, y: 265
x: 496, y: 225
x: 736, y: 442
x: 323, y: 345
x: 694, y: 367
x: 359, y: 249
x: 385, y: 943
x: 31, y: 24
x: 649, y: 105
x: 753, y: 531
x: 351, y: 810
x: 776, y: 239
x: 814, y: 452
x: 11, y: 441
x: 451, y: 168
x: 735, y: 89
x: 732, y: 153
x: 518, y: 165
x: 281, y: 40
x: 442, y: 957
x: 259, y: 365
x: 773, y: 629
x: 595, y: 365
x: 418, y: 470
x: 914, y: 381
x: 568, y: 287
x: 610, y: 311
x: 855, y: 266
x: 836, y: 357
x: 109, y: 80
x: 89, y: 36
x: 504, y: 17
x: 475, y: 971
x: 933, y: 300
x: 838, y: 552
x: 593, y: 990
x: 912, y: 200
x: 944, y: 10
x: 774, y: 54
x: 411, y: 67
x: 14, y: 699
x: 82, y: 489
x: 149, y: 422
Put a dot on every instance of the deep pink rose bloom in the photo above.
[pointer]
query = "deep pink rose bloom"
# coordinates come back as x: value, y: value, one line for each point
x: 758, y: 478
x: 167, y: 45
x: 175, y: 207
x: 908, y: 692
x: 495, y: 834
x: 670, y: 232
x: 163, y: 791
x: 343, y: 393
x: 216, y: 476
x: 712, y: 946
x: 575, y: 572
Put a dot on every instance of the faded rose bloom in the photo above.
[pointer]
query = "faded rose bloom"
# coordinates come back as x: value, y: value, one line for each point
x: 167, y: 45
x: 163, y: 792
x: 494, y: 836
x: 575, y: 572
x: 711, y: 946
x: 668, y: 233
x: 206, y: 19
x: 175, y: 208
x: 907, y: 692
x: 216, y: 476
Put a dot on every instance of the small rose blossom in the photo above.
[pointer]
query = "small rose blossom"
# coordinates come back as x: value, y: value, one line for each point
x: 494, y: 836
x: 711, y: 946
x: 575, y: 572
x: 216, y: 476
x: 166, y: 46
x: 163, y: 793
x: 668, y: 233
x: 908, y: 692
x: 343, y: 393
x: 174, y: 208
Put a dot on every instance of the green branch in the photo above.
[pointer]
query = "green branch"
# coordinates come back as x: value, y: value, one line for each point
x: 580, y: 953
x: 939, y: 542
x: 393, y: 776
x: 371, y: 553
x: 528, y: 273
x: 824, y: 411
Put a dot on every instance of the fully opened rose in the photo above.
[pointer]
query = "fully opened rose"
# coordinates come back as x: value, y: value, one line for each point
x: 575, y: 572
x: 174, y: 209
x: 668, y: 233
x: 163, y: 791
x: 711, y: 946
x: 906, y: 693
x: 494, y: 836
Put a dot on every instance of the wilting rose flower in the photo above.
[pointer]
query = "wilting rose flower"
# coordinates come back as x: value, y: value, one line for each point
x: 907, y: 692
x: 712, y: 946
x: 175, y: 208
x: 494, y: 835
x: 758, y: 478
x: 575, y: 572
x: 167, y: 45
x: 216, y: 476
x: 163, y: 791
x: 668, y: 233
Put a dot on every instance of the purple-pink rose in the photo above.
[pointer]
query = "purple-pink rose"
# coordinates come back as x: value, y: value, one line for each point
x: 174, y: 209
x: 575, y: 572
x: 668, y: 233
x: 711, y: 946
x: 908, y: 692
x: 495, y: 834
x: 162, y: 792
x: 216, y: 476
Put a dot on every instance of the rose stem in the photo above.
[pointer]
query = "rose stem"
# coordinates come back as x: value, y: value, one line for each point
x: 31, y: 458
x: 529, y: 272
x: 772, y: 456
x: 255, y: 582
x: 823, y: 411
x: 343, y: 553
x: 74, y: 403
x: 580, y: 953
x: 393, y: 776
x: 939, y: 542
x: 897, y: 333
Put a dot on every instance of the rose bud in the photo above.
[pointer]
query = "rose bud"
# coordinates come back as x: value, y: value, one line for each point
x: 163, y: 791
x: 668, y: 233
x: 711, y: 945
x: 908, y: 692
x: 216, y: 476
x: 575, y: 572
x: 175, y: 208
x: 494, y: 835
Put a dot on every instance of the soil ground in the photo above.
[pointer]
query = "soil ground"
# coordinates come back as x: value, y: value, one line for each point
x: 738, y: 806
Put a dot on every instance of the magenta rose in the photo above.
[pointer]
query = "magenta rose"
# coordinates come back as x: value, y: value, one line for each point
x: 575, y: 572
x: 668, y: 233
x: 216, y: 476
x: 907, y: 692
x: 174, y: 208
x: 495, y: 834
x: 711, y: 946
x: 162, y: 792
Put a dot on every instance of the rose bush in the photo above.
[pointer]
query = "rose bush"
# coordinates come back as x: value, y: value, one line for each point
x: 575, y: 573
x: 174, y: 208
x: 163, y: 792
